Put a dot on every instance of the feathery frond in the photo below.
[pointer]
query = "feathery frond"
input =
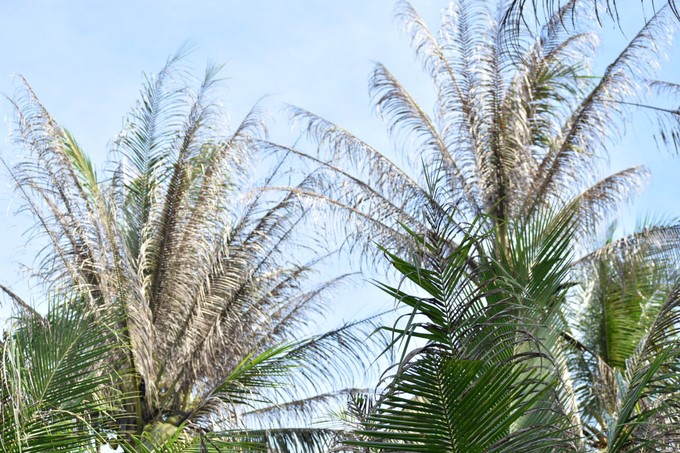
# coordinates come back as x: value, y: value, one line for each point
x: 198, y: 255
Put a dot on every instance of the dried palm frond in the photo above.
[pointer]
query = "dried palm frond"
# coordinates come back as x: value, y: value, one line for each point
x: 511, y: 132
x: 205, y: 258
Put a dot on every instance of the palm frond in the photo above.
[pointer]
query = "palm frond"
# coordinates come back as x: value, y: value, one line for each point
x: 57, y: 393
x: 593, y: 206
x: 403, y: 113
x: 647, y: 416
x: 485, y: 378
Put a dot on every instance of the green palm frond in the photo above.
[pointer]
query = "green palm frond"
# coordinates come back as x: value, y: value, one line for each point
x: 455, y: 405
x: 647, y: 415
x: 485, y: 379
x: 57, y: 393
x: 623, y: 287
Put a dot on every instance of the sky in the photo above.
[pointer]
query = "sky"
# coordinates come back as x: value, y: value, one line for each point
x: 86, y: 59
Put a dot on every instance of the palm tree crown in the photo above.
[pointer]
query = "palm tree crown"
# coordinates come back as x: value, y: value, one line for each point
x: 201, y: 271
x: 514, y: 129
x: 519, y: 132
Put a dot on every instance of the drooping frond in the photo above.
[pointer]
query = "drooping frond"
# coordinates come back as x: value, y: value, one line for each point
x: 322, y: 404
x: 593, y: 206
x: 659, y: 243
x: 370, y: 189
x: 403, y: 113
x: 55, y: 187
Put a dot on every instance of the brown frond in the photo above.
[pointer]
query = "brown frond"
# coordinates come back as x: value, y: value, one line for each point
x: 593, y: 206
x: 402, y: 113
x: 589, y: 129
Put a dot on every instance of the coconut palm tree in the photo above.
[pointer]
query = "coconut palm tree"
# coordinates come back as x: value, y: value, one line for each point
x: 59, y: 395
x: 518, y: 134
x: 485, y: 377
x: 208, y: 279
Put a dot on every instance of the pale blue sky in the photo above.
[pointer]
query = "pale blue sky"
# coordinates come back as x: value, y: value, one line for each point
x: 85, y: 61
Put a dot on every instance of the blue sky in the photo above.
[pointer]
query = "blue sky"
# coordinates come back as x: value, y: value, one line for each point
x: 85, y: 61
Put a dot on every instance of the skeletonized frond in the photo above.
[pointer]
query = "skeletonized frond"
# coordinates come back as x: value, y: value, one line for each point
x: 589, y: 129
x: 202, y: 260
x: 403, y: 113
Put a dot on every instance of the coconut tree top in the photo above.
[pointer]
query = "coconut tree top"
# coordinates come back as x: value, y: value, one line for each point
x: 208, y: 279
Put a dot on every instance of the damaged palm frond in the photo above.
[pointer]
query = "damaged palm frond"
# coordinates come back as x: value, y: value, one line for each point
x: 509, y: 133
x: 520, y: 12
x: 194, y: 241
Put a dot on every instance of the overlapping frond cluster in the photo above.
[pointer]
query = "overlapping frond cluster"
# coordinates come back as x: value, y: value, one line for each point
x: 625, y: 290
x: 55, y: 393
x: 521, y: 352
x: 205, y: 270
x: 487, y: 378
x: 519, y: 11
x: 514, y: 129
